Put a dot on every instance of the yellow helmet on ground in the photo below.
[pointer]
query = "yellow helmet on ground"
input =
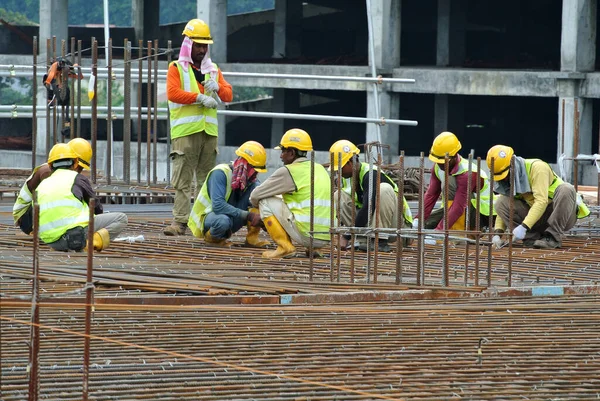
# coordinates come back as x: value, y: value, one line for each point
x: 61, y: 151
x: 296, y: 138
x: 255, y: 154
x: 346, y: 148
x: 198, y: 31
x: 83, y: 149
x: 446, y: 142
x: 502, y: 156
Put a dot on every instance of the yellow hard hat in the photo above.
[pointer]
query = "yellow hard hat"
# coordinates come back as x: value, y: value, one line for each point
x: 83, y: 149
x: 255, y: 154
x: 446, y: 142
x: 346, y: 148
x: 61, y: 151
x: 502, y: 156
x: 296, y: 138
x: 198, y: 31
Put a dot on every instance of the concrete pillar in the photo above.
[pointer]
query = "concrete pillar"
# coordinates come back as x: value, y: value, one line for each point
x: 440, y: 115
x: 578, y: 54
x: 214, y: 13
x: 386, y: 22
x: 144, y: 15
x: 284, y: 101
x: 287, y: 29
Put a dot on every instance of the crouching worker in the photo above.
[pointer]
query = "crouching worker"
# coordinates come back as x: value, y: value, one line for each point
x: 388, y: 197
x: 64, y: 212
x: 222, y: 205
x: 284, y: 198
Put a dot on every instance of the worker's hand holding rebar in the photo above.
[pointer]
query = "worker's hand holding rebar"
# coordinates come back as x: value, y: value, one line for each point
x: 206, y: 101
x: 210, y: 85
x: 415, y: 223
x: 497, y: 241
x: 254, y: 219
x: 519, y: 232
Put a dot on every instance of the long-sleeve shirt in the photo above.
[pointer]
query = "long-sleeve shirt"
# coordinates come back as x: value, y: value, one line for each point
x: 217, y: 189
x: 82, y: 190
x: 540, y: 177
x: 279, y: 183
x: 177, y: 95
x: 362, y: 191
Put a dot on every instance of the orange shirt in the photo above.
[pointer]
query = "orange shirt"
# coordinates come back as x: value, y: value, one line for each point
x: 177, y: 95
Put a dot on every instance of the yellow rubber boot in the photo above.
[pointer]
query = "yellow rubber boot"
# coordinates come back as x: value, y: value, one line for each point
x: 101, y: 239
x: 285, y: 248
x: 252, y: 239
x: 220, y: 242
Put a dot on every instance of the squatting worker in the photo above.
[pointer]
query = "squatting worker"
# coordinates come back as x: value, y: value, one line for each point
x: 195, y: 86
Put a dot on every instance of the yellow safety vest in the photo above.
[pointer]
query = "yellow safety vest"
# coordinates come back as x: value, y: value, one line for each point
x: 484, y: 191
x: 582, y: 209
x: 23, y: 202
x: 60, y: 210
x: 188, y: 119
x: 203, y: 204
x: 364, y: 169
x: 299, y: 201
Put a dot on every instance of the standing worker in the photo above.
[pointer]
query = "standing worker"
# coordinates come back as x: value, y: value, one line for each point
x: 195, y: 86
x: 544, y: 205
x: 221, y: 207
x: 64, y: 212
x: 388, y: 196
x: 284, y: 198
x: 458, y: 188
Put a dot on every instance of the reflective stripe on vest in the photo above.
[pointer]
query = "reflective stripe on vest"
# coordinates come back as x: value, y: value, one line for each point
x: 60, y: 210
x: 203, y: 204
x: 582, y: 209
x: 364, y: 169
x: 299, y: 201
x: 188, y: 119
x: 484, y: 191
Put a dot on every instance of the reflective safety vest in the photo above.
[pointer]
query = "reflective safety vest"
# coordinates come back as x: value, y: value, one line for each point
x: 203, y: 205
x: 364, y: 169
x: 188, y: 119
x: 582, y: 209
x: 484, y: 191
x: 60, y: 210
x: 299, y: 201
x: 23, y: 202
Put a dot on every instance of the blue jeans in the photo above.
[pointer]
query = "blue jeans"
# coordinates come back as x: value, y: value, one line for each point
x: 222, y: 225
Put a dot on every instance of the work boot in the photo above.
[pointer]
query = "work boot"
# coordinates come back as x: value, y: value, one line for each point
x: 219, y: 242
x: 175, y: 229
x: 285, y: 248
x: 546, y: 242
x: 252, y: 239
x: 101, y: 239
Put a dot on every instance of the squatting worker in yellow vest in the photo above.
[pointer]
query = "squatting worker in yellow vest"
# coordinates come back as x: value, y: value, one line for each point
x: 195, y: 85
x: 223, y: 204
x: 460, y: 195
x: 22, y: 210
x: 544, y: 205
x: 284, y: 198
x: 388, y: 197
x: 64, y: 212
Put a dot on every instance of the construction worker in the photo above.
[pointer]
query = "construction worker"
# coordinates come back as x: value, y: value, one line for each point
x: 195, y: 86
x: 221, y: 207
x: 458, y: 188
x: 544, y: 205
x: 388, y: 196
x: 64, y: 212
x: 22, y: 211
x: 284, y: 198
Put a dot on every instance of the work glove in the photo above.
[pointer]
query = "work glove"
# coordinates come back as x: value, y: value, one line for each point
x: 415, y: 223
x: 206, y: 101
x: 210, y: 85
x: 519, y: 233
x: 254, y: 219
x: 497, y: 241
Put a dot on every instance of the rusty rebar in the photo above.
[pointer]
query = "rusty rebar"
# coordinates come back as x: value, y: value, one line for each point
x: 420, y: 246
x: 34, y: 380
x: 311, y: 246
x: 168, y: 122
x: 149, y: 112
x: 400, y: 220
x: 331, y: 215
x: 109, y: 136
x: 446, y: 199
x: 79, y: 75
x: 139, y: 111
x: 72, y: 96
x: 377, y: 189
x: 575, y: 143
x: 491, y: 223
x: 89, y: 299
x: 511, y: 218
x: 127, y: 112
x: 338, y: 208
x: 34, y: 121
x: 94, y: 109
x: 468, y: 214
x: 155, y: 116
x: 353, y: 183
x: 49, y: 143
x: 477, y: 218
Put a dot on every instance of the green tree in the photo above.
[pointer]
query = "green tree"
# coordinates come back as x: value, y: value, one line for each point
x: 14, y: 17
x: 16, y: 91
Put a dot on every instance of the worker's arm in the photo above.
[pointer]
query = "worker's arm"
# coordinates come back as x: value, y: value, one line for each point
x: 431, y: 196
x: 362, y: 215
x: 541, y: 177
x: 499, y: 224
x: 225, y: 91
x: 217, y: 189
x: 82, y: 189
x: 279, y: 183
x: 174, y: 92
x: 461, y: 198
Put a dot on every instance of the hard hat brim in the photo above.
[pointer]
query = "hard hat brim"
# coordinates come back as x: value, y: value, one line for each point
x: 436, y: 160
x: 278, y: 147
x: 203, y: 41
x: 260, y: 170
x: 501, y: 176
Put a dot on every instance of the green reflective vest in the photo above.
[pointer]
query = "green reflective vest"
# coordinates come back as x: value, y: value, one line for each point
x: 23, y: 202
x: 60, y: 210
x: 364, y: 169
x: 484, y: 191
x: 188, y: 119
x: 299, y: 201
x: 582, y: 209
x: 203, y: 205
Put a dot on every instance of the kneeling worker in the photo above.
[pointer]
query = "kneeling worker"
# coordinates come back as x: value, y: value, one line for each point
x: 221, y: 207
x: 388, y: 196
x: 64, y: 212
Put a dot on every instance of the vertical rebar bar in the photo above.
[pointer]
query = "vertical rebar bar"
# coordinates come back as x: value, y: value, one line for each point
x: 400, y: 220
x: 149, y: 112
x: 477, y: 219
x: 139, y: 111
x: 446, y: 189
x: 367, y: 200
x: 377, y: 209
x: 168, y: 122
x: 34, y: 106
x: 511, y: 217
x: 54, y: 122
x: 311, y: 257
x: 155, y: 115
x: 353, y: 181
x: 109, y: 135
x: 562, y: 128
x: 49, y: 143
x: 468, y: 215
x: 72, y: 96
x: 89, y: 299
x: 420, y: 246
x: 127, y: 112
x: 575, y: 143
x: 338, y: 208
x: 331, y: 214
x: 491, y: 223
x: 79, y: 89
x: 34, y: 380
x: 64, y: 78
x: 94, y: 108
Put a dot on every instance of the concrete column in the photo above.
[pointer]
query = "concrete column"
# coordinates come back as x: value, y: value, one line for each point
x: 284, y: 100
x: 578, y: 54
x: 386, y: 22
x: 440, y: 115
x: 144, y: 15
x: 287, y: 29
x: 214, y: 13
x: 443, y: 34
